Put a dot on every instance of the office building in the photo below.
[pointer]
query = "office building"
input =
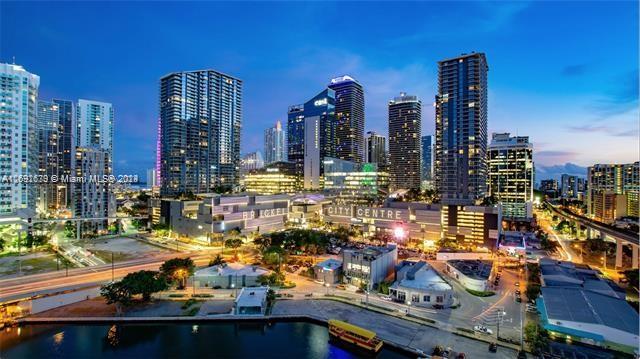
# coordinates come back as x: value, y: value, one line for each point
x: 311, y: 136
x: 368, y: 267
x: 376, y: 149
x: 18, y: 137
x: 274, y: 147
x: 549, y: 187
x: 276, y: 178
x: 461, y: 130
x: 354, y: 183
x: 52, y: 194
x: 349, y: 118
x: 251, y: 161
x: 421, y: 285
x: 152, y: 178
x: 404, y: 142
x: 612, y: 191
x: 93, y: 197
x: 426, y: 174
x: 200, y: 122
x: 511, y: 175
x: 471, y: 227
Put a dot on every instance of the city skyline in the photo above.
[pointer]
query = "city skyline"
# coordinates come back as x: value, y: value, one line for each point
x: 567, y: 85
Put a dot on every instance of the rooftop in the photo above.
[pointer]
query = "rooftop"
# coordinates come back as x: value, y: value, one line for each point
x: 252, y: 297
x: 236, y: 269
x: 330, y: 264
x: 371, y: 251
x: 473, y: 268
x: 567, y: 274
x: 585, y: 306
x: 420, y: 275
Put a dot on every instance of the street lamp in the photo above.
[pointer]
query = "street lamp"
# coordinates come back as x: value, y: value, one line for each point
x: 408, y: 307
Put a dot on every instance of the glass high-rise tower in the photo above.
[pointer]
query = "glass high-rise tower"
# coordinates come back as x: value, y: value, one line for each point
x: 200, y: 122
x: 349, y: 127
x: 376, y: 149
x: 461, y: 130
x: 274, y: 148
x: 427, y: 158
x: 405, y: 118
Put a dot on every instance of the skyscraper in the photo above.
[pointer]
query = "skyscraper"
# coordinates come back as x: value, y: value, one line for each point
x: 461, y: 129
x: 49, y: 157
x: 427, y: 159
x: 152, y: 178
x: 405, y: 114
x: 67, y: 143
x: 311, y: 135
x: 349, y: 118
x: 274, y: 148
x: 251, y: 161
x: 94, y: 158
x: 200, y: 121
x: 511, y: 175
x: 18, y: 137
x: 376, y: 149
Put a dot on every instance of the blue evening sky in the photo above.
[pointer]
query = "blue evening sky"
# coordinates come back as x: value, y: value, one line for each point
x: 563, y: 73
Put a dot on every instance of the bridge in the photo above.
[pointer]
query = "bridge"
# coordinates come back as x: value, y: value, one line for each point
x: 622, y: 238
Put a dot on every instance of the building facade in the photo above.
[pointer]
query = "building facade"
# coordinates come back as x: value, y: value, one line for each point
x: 52, y: 195
x: 67, y: 143
x: 461, y: 129
x: 354, y: 182
x: 571, y: 187
x: 349, y: 118
x: 311, y: 136
x: 276, y: 178
x: 613, y: 191
x: 200, y: 122
x: 18, y: 137
x: 368, y: 267
x: 549, y: 187
x: 511, y: 175
x: 376, y: 149
x: 471, y: 227
x: 251, y: 161
x: 94, y: 150
x: 152, y: 178
x: 420, y: 284
x: 405, y: 114
x: 426, y: 147
x: 274, y: 145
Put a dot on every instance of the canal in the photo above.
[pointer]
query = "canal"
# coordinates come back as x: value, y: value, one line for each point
x: 173, y: 340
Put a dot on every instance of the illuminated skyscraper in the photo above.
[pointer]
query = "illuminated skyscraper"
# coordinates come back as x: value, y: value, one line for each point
x: 18, y: 139
x: 201, y: 119
x: 376, y: 149
x: 349, y: 127
x: 461, y: 129
x: 405, y: 118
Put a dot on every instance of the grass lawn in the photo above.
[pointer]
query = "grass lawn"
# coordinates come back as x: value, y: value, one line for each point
x: 106, y: 255
x: 32, y: 263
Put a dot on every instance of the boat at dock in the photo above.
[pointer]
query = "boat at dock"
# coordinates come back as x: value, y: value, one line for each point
x: 352, y: 334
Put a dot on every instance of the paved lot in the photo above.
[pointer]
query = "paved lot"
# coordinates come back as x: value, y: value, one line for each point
x: 391, y: 328
x: 126, y: 245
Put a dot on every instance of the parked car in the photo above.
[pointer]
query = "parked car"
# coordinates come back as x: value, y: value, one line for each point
x: 518, y: 299
x: 438, y: 306
x: 385, y: 297
x: 493, y: 347
x: 517, y: 284
x: 482, y: 329
x: 341, y: 286
x: 518, y: 292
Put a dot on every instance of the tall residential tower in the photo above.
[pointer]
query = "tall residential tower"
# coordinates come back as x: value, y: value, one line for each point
x: 18, y: 137
x: 200, y: 121
x: 349, y: 135
x: 405, y: 114
x: 376, y: 149
x: 461, y: 129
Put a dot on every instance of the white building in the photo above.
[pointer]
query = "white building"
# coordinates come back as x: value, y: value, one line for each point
x: 18, y: 137
x: 420, y: 284
x: 472, y: 274
x: 95, y: 125
x: 229, y: 275
x: 251, y: 301
x: 369, y: 266
x: 152, y: 178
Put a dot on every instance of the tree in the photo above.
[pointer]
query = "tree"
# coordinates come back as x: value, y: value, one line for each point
x: 116, y: 293
x: 533, y: 291
x: 233, y: 243
x: 632, y: 275
x: 145, y: 283
x: 36, y: 240
x: 69, y: 229
x: 143, y: 197
x: 217, y: 261
x: 2, y: 244
x: 177, y: 270
x: 536, y: 336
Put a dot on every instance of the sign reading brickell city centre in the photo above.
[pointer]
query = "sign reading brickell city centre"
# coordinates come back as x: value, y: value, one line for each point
x: 391, y: 214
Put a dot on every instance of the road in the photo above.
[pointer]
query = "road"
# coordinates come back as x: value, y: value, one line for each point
x: 46, y: 283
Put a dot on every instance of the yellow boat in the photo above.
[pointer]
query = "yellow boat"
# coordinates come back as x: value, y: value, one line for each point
x: 355, y: 335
